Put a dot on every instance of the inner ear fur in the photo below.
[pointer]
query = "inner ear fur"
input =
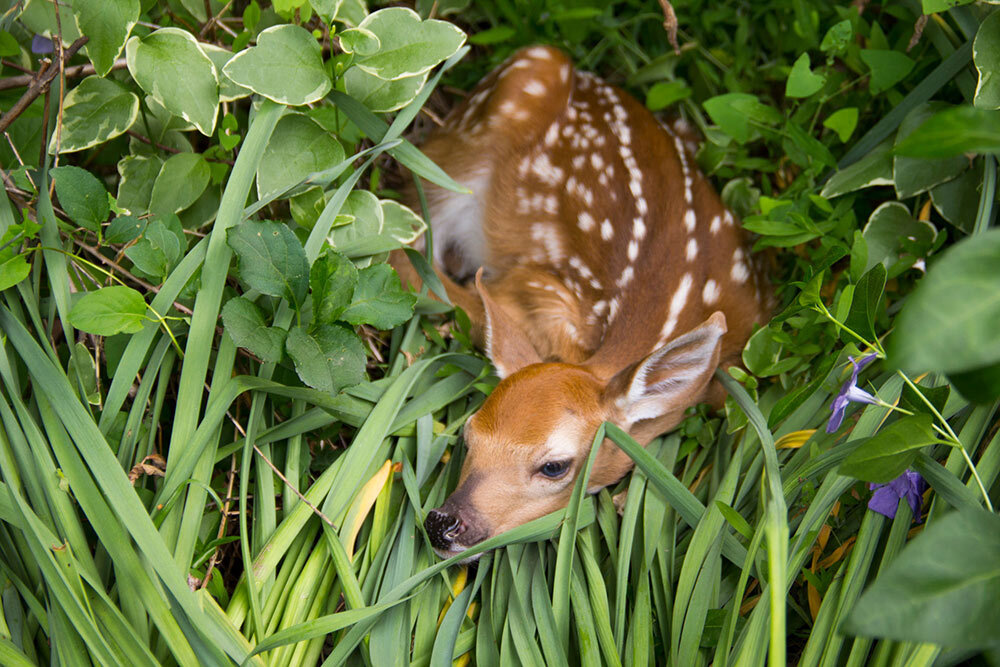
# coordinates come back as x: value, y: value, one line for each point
x: 671, y: 378
x: 506, y: 345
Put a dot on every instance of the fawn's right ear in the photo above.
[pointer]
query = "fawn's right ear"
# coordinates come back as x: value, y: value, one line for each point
x: 506, y: 345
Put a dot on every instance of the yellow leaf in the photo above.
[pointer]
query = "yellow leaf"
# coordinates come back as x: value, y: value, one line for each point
x: 795, y: 439
x: 361, y: 506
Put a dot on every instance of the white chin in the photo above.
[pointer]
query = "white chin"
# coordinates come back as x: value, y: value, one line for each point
x: 450, y: 553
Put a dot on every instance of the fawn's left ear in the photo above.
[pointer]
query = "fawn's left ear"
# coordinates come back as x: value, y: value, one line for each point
x: 672, y: 377
x: 506, y: 345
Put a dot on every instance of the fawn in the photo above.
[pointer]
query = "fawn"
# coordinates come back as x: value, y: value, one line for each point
x: 609, y: 283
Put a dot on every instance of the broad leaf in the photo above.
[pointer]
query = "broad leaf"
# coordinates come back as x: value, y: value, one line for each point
x: 13, y: 269
x: 95, y: 111
x: 843, y: 122
x: 865, y: 304
x: 246, y: 326
x: 82, y: 196
x: 895, y: 239
x: 228, y: 89
x: 298, y: 147
x: 108, y: 311
x: 171, y: 67
x: 871, y: 170
x: 410, y: 46
x: 349, y: 12
x: 986, y: 54
x: 664, y: 93
x: 963, y: 129
x: 400, y: 223
x: 379, y: 299
x: 941, y: 589
x: 733, y: 113
x: 935, y: 6
x: 915, y: 175
x: 124, y: 228
x: 328, y: 358
x: 332, y: 279
x: 162, y: 245
x: 887, y: 68
x: 271, y: 259
x: 107, y: 23
x: 950, y: 321
x: 286, y: 66
x: 380, y: 95
x: 138, y: 174
x: 958, y: 200
x: 802, y: 81
x: 890, y: 451
x: 182, y: 179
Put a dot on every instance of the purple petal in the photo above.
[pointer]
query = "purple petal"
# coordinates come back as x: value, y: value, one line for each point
x: 838, y: 407
x: 41, y: 44
x: 884, y: 501
x: 859, y: 395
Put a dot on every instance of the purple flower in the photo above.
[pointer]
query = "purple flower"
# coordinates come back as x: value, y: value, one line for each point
x: 910, y: 485
x: 41, y: 44
x: 850, y: 392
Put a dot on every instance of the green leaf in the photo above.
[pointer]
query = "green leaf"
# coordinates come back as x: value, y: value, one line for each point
x: 348, y: 12
x: 380, y: 95
x: 950, y: 321
x: 410, y: 46
x: 890, y: 451
x: 958, y: 200
x: 8, y: 45
x: 366, y: 219
x: 494, y: 35
x: 843, y: 122
x: 158, y: 251
x: 182, y: 179
x: 986, y: 55
x: 802, y: 81
x: 887, y: 68
x: 379, y: 299
x: 245, y: 324
x: 665, y: 93
x: 360, y: 42
x: 286, y: 66
x: 298, y: 147
x: 963, y: 129
x: 124, y: 228
x: 108, y: 311
x: 871, y: 170
x: 913, y: 176
x: 332, y: 279
x: 838, y: 37
x: 228, y: 89
x: 895, y: 239
x: 935, y: 6
x: 400, y: 222
x: 327, y: 358
x: 95, y: 111
x: 138, y: 174
x: 13, y: 270
x: 735, y: 114
x: 82, y: 196
x: 938, y: 396
x: 171, y: 67
x: 865, y: 304
x: 981, y: 385
x: 941, y: 589
x: 107, y: 23
x: 83, y: 370
x: 271, y: 259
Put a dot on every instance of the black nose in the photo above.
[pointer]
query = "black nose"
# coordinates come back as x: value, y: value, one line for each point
x: 442, y: 529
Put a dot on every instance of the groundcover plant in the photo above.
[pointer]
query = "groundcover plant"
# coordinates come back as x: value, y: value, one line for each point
x: 224, y: 421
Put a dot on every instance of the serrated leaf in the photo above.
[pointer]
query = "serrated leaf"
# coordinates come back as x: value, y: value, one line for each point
x: 327, y: 358
x: 332, y: 279
x: 182, y: 179
x: 271, y: 260
x: 245, y: 324
x: 108, y: 311
x: 941, y: 589
x: 890, y: 451
x: 950, y: 321
x: 95, y: 111
x: 379, y: 299
x: 410, y: 46
x: 138, y: 174
x: 82, y: 196
x: 802, y: 81
x: 380, y: 95
x: 286, y: 66
x: 887, y: 68
x: 986, y: 55
x: 297, y: 148
x: 107, y: 23
x: 171, y: 67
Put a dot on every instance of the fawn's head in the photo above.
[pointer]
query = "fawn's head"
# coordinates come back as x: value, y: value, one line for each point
x: 529, y: 441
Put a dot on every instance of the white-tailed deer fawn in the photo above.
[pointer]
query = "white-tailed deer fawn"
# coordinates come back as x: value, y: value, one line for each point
x: 610, y: 271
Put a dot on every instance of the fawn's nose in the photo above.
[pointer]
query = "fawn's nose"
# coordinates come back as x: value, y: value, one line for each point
x: 442, y: 529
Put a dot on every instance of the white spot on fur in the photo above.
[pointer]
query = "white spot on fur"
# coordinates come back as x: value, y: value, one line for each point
x: 716, y: 225
x: 638, y: 228
x: 728, y: 218
x: 633, y: 250
x: 641, y: 206
x: 586, y: 221
x: 627, y: 275
x: 692, y: 250
x: 552, y: 135
x: 740, y: 272
x: 596, y: 161
x: 579, y: 161
x: 677, y: 303
x: 545, y: 233
x: 547, y: 172
x: 607, y: 231
x: 689, y: 220
x: 539, y: 52
x: 710, y: 293
x: 458, y: 220
x: 535, y: 88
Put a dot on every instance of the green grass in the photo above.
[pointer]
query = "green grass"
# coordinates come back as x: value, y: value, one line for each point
x: 267, y: 521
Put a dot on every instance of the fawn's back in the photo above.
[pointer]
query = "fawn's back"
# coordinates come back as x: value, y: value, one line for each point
x: 603, y: 250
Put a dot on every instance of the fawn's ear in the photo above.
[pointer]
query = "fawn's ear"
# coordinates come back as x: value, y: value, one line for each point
x: 506, y: 345
x: 672, y: 378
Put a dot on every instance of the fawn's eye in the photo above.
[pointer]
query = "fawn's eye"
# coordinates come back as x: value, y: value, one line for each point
x: 554, y: 469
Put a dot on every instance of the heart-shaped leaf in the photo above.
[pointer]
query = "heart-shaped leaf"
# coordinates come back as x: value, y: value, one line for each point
x: 890, y: 451
x: 246, y: 326
x: 107, y: 23
x: 802, y: 81
x: 297, y: 148
x: 379, y: 299
x: 286, y: 66
x: 410, y: 46
x: 171, y: 67
x: 13, y: 269
x: 843, y: 122
x: 95, y: 111
x: 887, y: 68
x: 271, y: 259
x: 108, y: 311
x: 82, y: 196
x: 328, y: 358
x: 348, y: 12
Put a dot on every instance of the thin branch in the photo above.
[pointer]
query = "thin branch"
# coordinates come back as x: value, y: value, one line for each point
x: 39, y: 84
x: 73, y: 72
